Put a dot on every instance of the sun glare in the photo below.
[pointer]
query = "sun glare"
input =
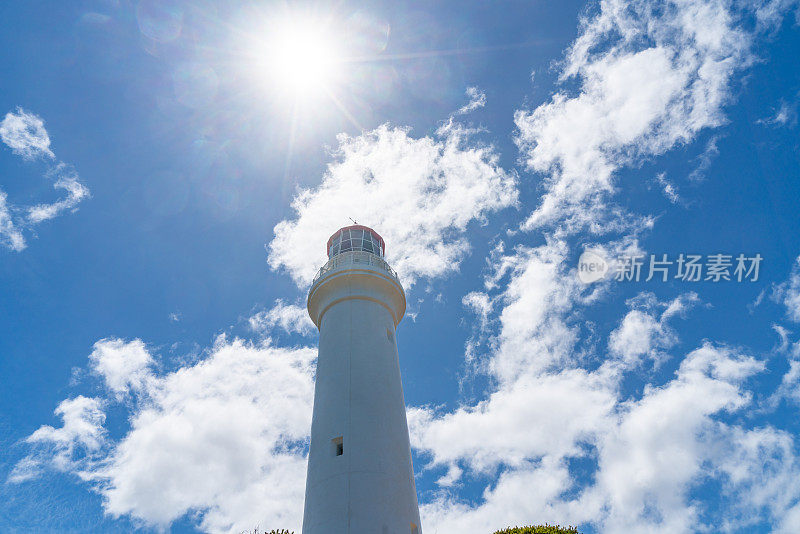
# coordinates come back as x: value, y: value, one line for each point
x: 303, y: 58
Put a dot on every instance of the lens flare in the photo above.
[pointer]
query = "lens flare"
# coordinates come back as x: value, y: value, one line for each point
x: 303, y: 58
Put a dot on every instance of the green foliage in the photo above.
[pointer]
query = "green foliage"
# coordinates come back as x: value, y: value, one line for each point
x: 539, y: 529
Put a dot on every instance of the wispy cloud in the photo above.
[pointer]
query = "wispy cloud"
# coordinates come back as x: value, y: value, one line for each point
x: 10, y: 235
x: 790, y: 383
x: 292, y: 318
x: 67, y: 179
x: 785, y: 114
x: 24, y: 133
x: 669, y: 189
x: 477, y: 100
x: 72, y: 447
x: 704, y: 160
x: 788, y: 293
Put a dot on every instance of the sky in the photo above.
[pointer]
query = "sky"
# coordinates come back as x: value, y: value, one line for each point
x: 592, y: 208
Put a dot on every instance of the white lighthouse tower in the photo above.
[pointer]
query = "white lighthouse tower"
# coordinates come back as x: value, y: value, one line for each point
x: 360, y: 478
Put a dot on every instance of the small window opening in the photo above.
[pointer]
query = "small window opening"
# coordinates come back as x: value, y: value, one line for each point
x: 389, y: 335
x: 414, y: 529
x: 338, y: 446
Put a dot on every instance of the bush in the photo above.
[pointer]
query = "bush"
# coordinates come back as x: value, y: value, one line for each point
x: 539, y: 529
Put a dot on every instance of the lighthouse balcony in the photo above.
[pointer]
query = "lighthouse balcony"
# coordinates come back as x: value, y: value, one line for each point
x: 354, y: 258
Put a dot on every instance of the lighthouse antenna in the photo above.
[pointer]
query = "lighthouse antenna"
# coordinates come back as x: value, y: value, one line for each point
x: 352, y: 219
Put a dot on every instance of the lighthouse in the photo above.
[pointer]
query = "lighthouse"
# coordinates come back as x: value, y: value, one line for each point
x: 360, y: 477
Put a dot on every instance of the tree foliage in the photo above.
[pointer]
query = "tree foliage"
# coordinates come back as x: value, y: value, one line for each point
x: 539, y: 529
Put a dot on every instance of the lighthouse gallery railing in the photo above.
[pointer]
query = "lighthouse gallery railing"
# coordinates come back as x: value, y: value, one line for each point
x: 350, y: 258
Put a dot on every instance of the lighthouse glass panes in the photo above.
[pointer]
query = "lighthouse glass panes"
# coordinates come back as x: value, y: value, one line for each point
x: 355, y: 239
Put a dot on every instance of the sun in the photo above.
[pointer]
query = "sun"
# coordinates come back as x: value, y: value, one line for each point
x: 302, y: 58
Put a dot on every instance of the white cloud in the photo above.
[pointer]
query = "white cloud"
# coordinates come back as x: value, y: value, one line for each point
x: 218, y: 439
x: 648, y: 461
x: 124, y: 366
x: 573, y: 401
x: 480, y: 304
x: 533, y: 333
x: 553, y: 403
x: 10, y: 235
x: 785, y: 114
x: 517, y: 497
x: 68, y: 448
x: 760, y: 469
x: 222, y: 438
x: 477, y: 100
x: 418, y: 193
x: 66, y: 179
x: 650, y: 79
x: 25, y: 135
x: 25, y: 469
x: 704, y: 160
x: 83, y: 419
x: 645, y: 333
x: 648, y: 451
x: 532, y: 363
x: 637, y: 336
x: 770, y: 13
x: 670, y: 191
x: 788, y: 293
x: 790, y: 522
x: 290, y: 317
x: 790, y: 383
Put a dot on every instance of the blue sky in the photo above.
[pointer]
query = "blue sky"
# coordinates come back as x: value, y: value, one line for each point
x: 166, y: 192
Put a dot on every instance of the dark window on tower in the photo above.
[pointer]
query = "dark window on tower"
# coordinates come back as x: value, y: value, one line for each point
x: 338, y: 446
